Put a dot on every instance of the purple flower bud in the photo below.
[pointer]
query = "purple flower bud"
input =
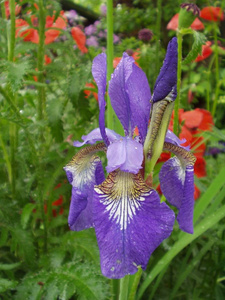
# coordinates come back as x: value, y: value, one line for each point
x: 145, y: 35
x: 191, y: 7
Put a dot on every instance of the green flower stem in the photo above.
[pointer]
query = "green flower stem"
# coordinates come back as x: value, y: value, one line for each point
x: 158, y: 33
x: 124, y: 285
x: 12, y: 35
x: 40, y: 63
x: 111, y: 118
x: 109, y: 58
x: 41, y: 116
x: 208, y: 85
x: 133, y: 291
x: 7, y: 159
x: 217, y: 71
x: 177, y: 101
x: 13, y: 128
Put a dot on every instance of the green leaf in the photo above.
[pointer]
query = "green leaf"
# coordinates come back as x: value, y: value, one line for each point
x: 15, y: 73
x: 6, y: 284
x: 199, y: 40
x: 77, y: 79
x: 185, y: 240
x: 26, y: 213
x: 6, y: 267
x: 55, y: 112
x: 77, y: 277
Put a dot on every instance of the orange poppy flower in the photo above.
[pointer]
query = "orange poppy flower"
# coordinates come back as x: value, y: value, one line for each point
x: 173, y: 23
x: 80, y: 39
x: 212, y: 13
x: 23, y: 31
x: 206, y: 52
x: 52, y: 34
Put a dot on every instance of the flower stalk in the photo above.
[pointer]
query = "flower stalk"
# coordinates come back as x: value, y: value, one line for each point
x: 179, y: 71
x: 217, y: 70
x: 13, y: 129
x: 40, y: 62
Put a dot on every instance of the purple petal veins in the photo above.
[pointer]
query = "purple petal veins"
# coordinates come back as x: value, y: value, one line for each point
x: 130, y: 223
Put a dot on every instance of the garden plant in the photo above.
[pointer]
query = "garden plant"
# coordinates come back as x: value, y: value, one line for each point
x: 112, y: 149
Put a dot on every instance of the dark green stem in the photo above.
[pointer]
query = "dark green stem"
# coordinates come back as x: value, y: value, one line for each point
x: 177, y: 101
x: 217, y: 71
x: 41, y: 116
x: 132, y: 294
x: 12, y: 128
x: 158, y: 33
x: 208, y: 85
x: 111, y: 118
x: 40, y: 63
x: 110, y: 111
x: 11, y: 42
x: 124, y: 284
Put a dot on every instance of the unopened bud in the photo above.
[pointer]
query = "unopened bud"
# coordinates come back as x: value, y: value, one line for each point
x: 187, y: 14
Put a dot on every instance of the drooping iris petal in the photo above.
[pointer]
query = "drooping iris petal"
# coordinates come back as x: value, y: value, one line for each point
x: 173, y: 139
x: 126, y: 154
x: 130, y: 94
x: 177, y: 184
x: 99, y: 72
x: 166, y: 82
x: 130, y: 223
x: 95, y: 136
x: 83, y: 172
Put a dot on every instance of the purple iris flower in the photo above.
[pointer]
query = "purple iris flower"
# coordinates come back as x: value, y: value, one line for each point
x: 129, y: 220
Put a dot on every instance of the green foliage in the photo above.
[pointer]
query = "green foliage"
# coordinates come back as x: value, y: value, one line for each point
x: 63, y: 282
x: 199, y: 40
x: 40, y: 257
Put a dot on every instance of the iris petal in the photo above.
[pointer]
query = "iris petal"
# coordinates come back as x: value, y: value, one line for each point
x: 126, y: 154
x: 177, y: 184
x: 95, y: 136
x: 130, y: 223
x: 99, y: 69
x: 166, y: 82
x: 130, y: 94
x: 173, y: 139
x: 83, y: 172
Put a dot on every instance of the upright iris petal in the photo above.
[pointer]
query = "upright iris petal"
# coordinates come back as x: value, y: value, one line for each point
x: 130, y: 223
x: 130, y: 95
x: 99, y: 72
x: 167, y: 79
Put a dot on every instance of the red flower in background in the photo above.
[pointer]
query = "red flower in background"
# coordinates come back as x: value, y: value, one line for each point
x: 134, y: 54
x: 173, y: 23
x: 31, y: 34
x: 88, y: 93
x: 206, y: 52
x: 212, y: 13
x: 7, y: 10
x: 80, y: 39
x: 24, y: 31
x: 193, y: 122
